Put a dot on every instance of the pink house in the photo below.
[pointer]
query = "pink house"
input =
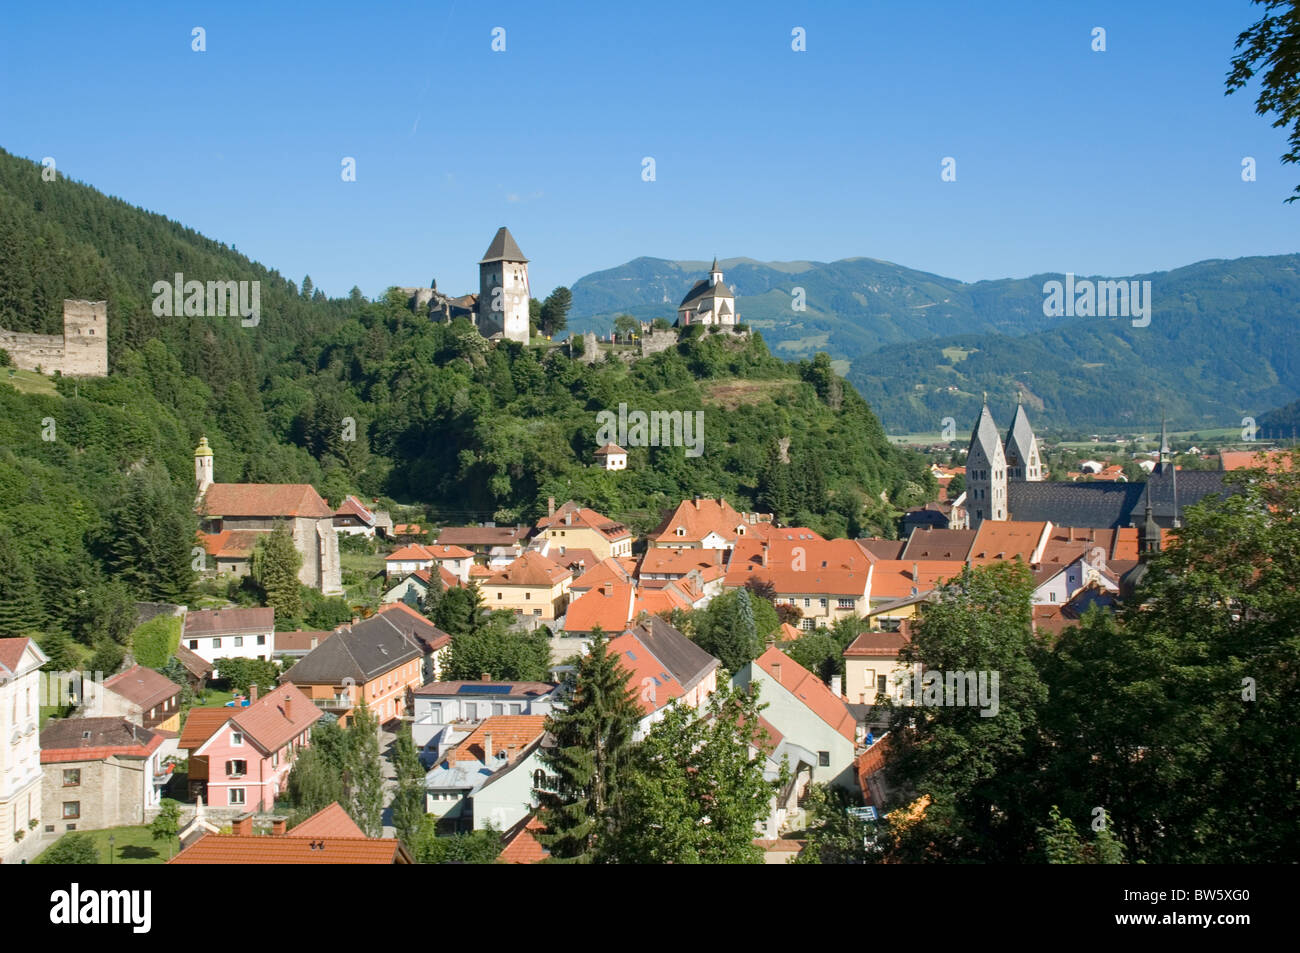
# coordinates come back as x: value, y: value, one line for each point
x: 249, y: 756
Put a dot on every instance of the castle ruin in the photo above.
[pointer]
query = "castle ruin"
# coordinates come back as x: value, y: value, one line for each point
x: 81, y: 351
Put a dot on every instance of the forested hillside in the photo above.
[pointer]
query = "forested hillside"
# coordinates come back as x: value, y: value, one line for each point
x: 96, y: 475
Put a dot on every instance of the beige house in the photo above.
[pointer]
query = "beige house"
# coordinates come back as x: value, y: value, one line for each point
x: 532, y: 586
x: 577, y: 527
x: 826, y: 580
x: 20, y: 748
x: 99, y: 772
x: 872, y: 667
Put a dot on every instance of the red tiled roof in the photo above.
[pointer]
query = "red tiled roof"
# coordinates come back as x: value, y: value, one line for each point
x: 353, y: 507
x: 195, y: 664
x: 654, y: 685
x: 230, y: 544
x: 300, y: 640
x: 836, y: 567
x: 660, y: 562
x: 608, y: 449
x: 893, y: 578
x: 575, y: 558
x: 201, y: 724
x: 331, y: 821
x: 607, y: 570
x: 11, y: 652
x: 277, y: 718
x: 509, y: 732
x: 583, y: 516
x: 522, y: 845
x: 876, y: 645
x: 698, y: 518
x: 655, y: 601
x: 264, y: 499
x: 142, y: 686
x: 809, y: 689
x: 997, y: 540
x: 610, y: 606
x: 256, y: 850
x: 530, y: 569
x: 64, y: 740
x: 1269, y: 460
x: 482, y: 535
x: 416, y: 551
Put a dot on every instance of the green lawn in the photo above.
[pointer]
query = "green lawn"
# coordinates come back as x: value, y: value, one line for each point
x: 131, y: 845
x: 28, y: 382
x: 215, y: 698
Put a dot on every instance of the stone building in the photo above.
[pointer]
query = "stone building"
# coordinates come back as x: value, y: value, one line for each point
x: 99, y: 772
x: 503, y: 290
x: 233, y: 514
x: 81, y: 351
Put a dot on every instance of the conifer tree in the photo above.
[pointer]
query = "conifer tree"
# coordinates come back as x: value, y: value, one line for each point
x: 366, y: 774
x: 275, y: 566
x: 593, y: 746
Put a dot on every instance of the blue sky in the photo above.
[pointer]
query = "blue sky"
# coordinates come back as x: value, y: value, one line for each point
x: 1119, y: 162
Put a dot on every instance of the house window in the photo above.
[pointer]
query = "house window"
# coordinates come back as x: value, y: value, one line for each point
x: 823, y: 759
x: 807, y: 624
x: 528, y: 595
x: 71, y: 810
x: 823, y: 603
x: 498, y: 597
x: 471, y: 710
x: 516, y: 708
x: 71, y: 777
x: 239, y: 641
x: 236, y: 769
x: 435, y: 713
x: 261, y: 640
x: 882, y: 684
x: 537, y: 612
x: 194, y: 643
x: 236, y: 795
x: 498, y: 708
x: 236, y: 738
x: 216, y: 643
x: 807, y: 602
x: 847, y: 603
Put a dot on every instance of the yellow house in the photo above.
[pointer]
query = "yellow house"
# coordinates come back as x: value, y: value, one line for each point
x: 576, y: 527
x: 872, y: 666
x: 143, y: 697
x: 531, y: 586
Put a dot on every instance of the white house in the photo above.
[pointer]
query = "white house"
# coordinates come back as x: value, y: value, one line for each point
x: 440, y: 704
x: 20, y: 748
x: 500, y: 754
x: 612, y: 457
x: 214, y: 634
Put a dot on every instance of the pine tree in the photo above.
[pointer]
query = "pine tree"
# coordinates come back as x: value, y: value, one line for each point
x: 593, y: 745
x: 20, y: 601
x: 408, y: 804
x: 148, y: 535
x: 275, y: 566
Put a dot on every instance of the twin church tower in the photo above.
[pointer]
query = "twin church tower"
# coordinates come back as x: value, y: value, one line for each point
x: 990, y: 464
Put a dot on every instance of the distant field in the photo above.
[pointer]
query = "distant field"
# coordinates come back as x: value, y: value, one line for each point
x: 28, y: 382
x: 917, y: 438
x: 955, y: 354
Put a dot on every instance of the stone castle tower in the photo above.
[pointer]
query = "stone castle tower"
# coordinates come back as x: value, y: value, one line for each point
x: 82, y: 351
x: 503, y: 289
x: 986, y: 472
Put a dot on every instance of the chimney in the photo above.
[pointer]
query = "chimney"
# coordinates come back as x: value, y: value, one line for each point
x: 243, y: 825
x: 487, y: 747
x: 484, y: 677
x: 314, y: 640
x: 278, y: 826
x: 836, y: 686
x: 916, y: 572
x: 252, y: 694
x: 568, y: 519
x: 776, y: 671
x: 288, y: 707
x: 762, y: 559
x: 550, y: 506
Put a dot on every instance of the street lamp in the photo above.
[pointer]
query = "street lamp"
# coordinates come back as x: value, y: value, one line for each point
x: 110, y: 849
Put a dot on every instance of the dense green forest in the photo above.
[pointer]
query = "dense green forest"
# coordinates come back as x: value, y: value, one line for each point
x: 96, y: 476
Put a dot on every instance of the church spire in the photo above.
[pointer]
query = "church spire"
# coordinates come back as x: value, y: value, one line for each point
x: 715, y: 274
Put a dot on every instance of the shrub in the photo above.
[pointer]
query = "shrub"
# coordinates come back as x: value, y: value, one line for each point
x: 155, y: 642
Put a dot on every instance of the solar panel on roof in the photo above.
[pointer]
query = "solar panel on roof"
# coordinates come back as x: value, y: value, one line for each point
x: 483, y: 690
x: 631, y: 655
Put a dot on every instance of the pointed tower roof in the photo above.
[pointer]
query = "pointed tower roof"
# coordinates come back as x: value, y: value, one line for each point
x: 1020, y: 436
x: 503, y: 248
x: 715, y: 264
x: 985, y: 435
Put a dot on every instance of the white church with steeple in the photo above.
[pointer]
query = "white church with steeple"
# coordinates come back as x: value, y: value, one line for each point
x: 709, y: 301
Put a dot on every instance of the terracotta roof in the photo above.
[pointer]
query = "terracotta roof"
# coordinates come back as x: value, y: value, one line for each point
x: 871, y: 761
x: 575, y: 558
x: 231, y: 544
x: 65, y: 740
x: 264, y: 499
x: 331, y: 821
x: 876, y: 645
x: 883, y: 548
x: 805, y: 563
x: 257, y: 850
x: 1269, y: 460
x: 11, y: 652
x: 648, y: 677
x: 277, y: 718
x: 530, y: 569
x: 655, y: 601
x: 229, y: 622
x: 607, y: 570
x: 480, y: 572
x: 416, y: 551
x: 698, y: 518
x: 142, y: 686
x: 195, y: 664
x: 353, y: 507
x: 521, y: 845
x: 662, y: 562
x: 571, y: 514
x: 809, y: 689
x: 610, y: 606
x: 509, y: 732
x: 928, y: 542
x: 608, y: 449
x: 441, y: 551
x: 789, y: 633
x: 997, y: 540
x: 201, y: 724
x: 893, y: 578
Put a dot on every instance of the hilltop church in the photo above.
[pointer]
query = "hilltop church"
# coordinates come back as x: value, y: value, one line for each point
x: 1004, y: 481
x: 709, y: 301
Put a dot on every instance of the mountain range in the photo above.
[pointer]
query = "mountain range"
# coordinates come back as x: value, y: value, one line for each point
x: 1222, y: 342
